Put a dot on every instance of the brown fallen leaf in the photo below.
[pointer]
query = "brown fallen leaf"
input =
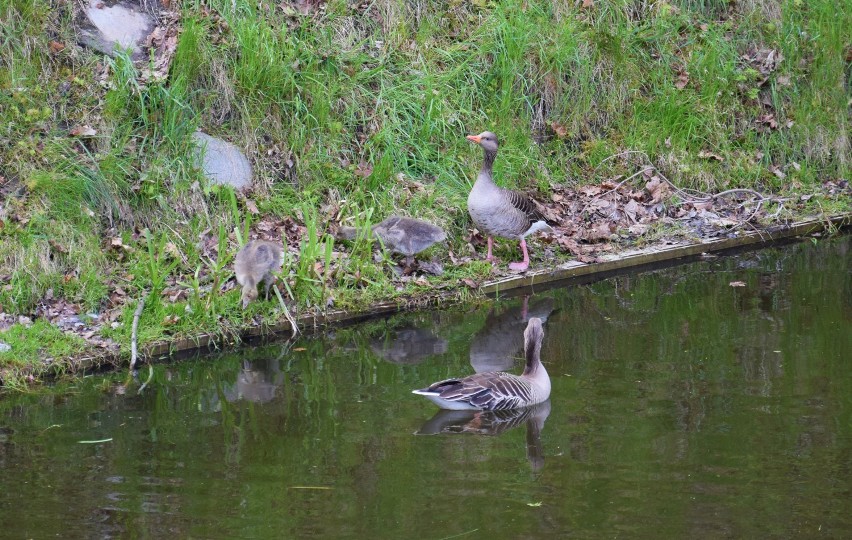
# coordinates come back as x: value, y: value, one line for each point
x: 588, y: 4
x: 172, y: 250
x: 251, y: 207
x: 83, y: 131
x: 769, y: 120
x: 591, y: 190
x: 638, y: 229
x: 57, y: 246
x: 682, y: 80
x: 631, y: 209
x: 710, y: 155
x: 155, y: 37
x: 600, y: 233
x: 657, y: 189
x: 179, y: 295
x: 737, y: 284
x: 56, y: 46
x: 776, y: 170
x: 470, y: 283
x: 560, y: 130
x: 364, y: 169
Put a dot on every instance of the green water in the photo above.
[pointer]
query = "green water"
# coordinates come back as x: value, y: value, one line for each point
x: 682, y: 407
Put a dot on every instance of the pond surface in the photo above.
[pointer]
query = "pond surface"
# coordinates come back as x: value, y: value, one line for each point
x: 682, y: 407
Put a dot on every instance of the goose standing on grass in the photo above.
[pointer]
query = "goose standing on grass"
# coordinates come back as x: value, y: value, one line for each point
x: 402, y: 235
x: 501, y: 212
x: 496, y: 390
x: 255, y: 264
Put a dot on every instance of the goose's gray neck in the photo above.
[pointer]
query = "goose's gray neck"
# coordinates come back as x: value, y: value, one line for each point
x: 532, y: 351
x: 488, y: 163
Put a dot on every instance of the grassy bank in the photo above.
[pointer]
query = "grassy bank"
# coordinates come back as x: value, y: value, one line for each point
x: 353, y: 111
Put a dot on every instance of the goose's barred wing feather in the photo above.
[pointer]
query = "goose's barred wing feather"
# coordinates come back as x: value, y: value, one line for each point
x: 489, y: 391
x: 526, y: 205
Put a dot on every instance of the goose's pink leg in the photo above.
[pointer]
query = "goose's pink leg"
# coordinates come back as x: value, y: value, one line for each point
x: 490, y: 257
x: 523, y: 265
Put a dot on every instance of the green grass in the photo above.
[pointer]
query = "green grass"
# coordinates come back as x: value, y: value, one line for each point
x: 28, y: 356
x: 395, y: 87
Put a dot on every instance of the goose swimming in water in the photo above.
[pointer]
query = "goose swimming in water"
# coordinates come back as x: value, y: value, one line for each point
x: 494, y: 390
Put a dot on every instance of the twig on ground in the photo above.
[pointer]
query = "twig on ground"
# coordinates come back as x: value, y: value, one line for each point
x: 751, y: 216
x: 696, y: 196
x: 760, y: 196
x: 618, y: 185
x: 139, y: 307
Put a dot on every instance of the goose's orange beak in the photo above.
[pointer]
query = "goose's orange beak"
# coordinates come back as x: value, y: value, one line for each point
x: 474, y: 138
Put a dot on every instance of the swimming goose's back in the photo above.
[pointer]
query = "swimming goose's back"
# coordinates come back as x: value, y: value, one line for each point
x: 497, y: 390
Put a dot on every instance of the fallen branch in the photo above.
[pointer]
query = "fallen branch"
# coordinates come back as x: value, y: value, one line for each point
x: 752, y: 215
x: 136, y: 315
x: 618, y: 185
x: 691, y: 196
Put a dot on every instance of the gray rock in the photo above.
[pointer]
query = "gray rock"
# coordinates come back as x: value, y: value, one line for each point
x: 123, y: 23
x: 4, y: 347
x: 222, y: 162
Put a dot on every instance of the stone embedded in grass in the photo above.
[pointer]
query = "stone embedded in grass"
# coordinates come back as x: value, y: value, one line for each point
x: 5, y: 347
x: 222, y: 162
x: 106, y: 24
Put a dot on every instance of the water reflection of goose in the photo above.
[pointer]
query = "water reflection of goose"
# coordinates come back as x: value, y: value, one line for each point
x: 258, y: 382
x: 446, y: 422
x: 497, y: 344
x: 409, y: 345
x: 496, y: 389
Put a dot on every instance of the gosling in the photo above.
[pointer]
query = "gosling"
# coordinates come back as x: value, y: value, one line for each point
x: 255, y: 264
x: 402, y: 235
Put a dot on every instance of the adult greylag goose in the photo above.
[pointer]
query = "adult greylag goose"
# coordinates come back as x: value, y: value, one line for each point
x: 494, y: 390
x: 255, y: 264
x: 406, y: 236
x: 501, y: 212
